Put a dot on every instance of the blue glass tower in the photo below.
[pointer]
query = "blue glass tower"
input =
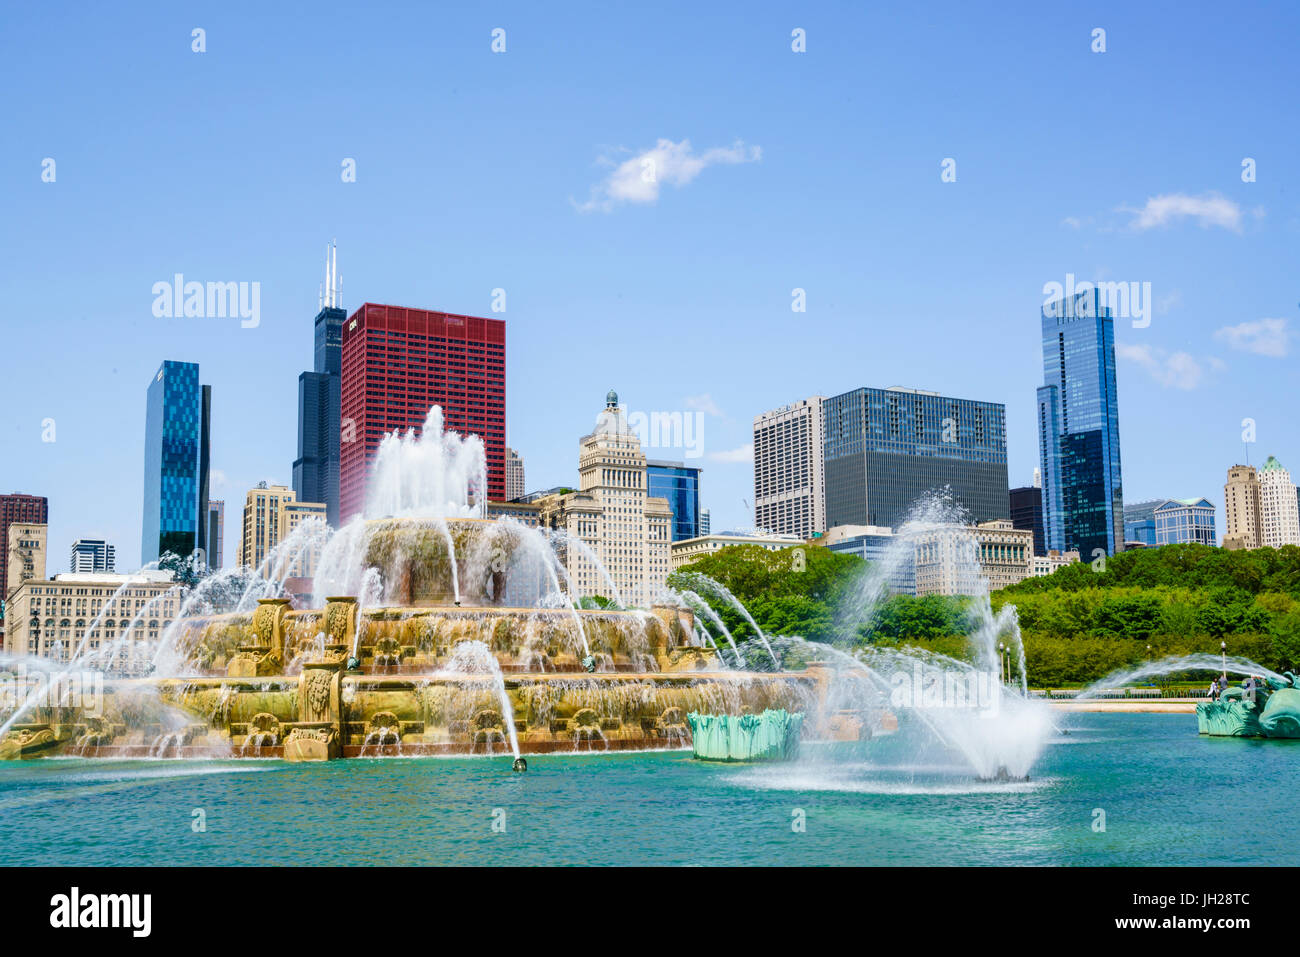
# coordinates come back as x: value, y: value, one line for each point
x: 176, y: 460
x: 1140, y: 522
x: 1078, y: 428
x: 680, y: 484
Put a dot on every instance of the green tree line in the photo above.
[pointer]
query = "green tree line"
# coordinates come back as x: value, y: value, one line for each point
x: 1077, y: 624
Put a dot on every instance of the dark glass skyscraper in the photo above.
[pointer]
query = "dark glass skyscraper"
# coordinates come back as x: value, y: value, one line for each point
x: 1078, y: 428
x: 316, y: 469
x: 1027, y: 514
x: 176, y: 461
x: 886, y: 448
x: 680, y: 484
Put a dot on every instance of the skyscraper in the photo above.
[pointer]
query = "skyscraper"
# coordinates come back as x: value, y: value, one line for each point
x: 680, y: 485
x: 622, y: 524
x: 1241, y: 508
x: 271, y: 513
x: 18, y: 507
x: 789, y: 484
x: 397, y: 362
x: 1277, y: 506
x: 216, y: 533
x: 1078, y: 428
x: 92, y: 555
x: 316, y: 469
x: 1027, y: 513
x: 514, y: 475
x: 176, y: 461
x: 887, y: 448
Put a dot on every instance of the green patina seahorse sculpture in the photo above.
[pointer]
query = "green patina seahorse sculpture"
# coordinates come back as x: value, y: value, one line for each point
x: 1273, y: 711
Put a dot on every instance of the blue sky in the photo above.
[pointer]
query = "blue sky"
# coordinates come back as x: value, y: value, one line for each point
x: 776, y: 170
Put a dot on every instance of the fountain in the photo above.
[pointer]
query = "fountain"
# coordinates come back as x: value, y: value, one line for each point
x: 433, y: 630
x: 770, y: 736
x: 1267, y: 708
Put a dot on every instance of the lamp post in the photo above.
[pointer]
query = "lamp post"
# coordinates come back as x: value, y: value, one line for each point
x: 1223, y: 653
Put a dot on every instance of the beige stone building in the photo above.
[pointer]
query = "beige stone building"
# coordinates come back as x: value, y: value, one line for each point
x: 789, y: 481
x: 28, y: 543
x: 1045, y: 565
x: 1241, y: 505
x: 50, y: 618
x: 28, y: 547
x: 625, y: 529
x: 964, y: 560
x: 271, y: 513
x: 526, y: 513
x: 693, y: 549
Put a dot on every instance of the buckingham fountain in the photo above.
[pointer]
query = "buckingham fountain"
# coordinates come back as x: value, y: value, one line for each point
x: 433, y: 630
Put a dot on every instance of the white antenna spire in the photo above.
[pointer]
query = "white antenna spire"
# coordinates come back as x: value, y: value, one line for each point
x: 334, y: 272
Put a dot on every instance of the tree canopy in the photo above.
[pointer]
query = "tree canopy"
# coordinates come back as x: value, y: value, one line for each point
x: 1077, y: 624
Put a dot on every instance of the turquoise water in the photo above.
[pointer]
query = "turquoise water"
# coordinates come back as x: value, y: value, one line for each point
x: 1170, y: 797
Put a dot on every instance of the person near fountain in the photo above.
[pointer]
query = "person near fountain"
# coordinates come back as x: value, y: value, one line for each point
x: 1213, y: 693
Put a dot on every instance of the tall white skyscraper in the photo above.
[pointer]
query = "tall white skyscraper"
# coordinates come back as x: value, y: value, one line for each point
x: 789, y: 482
x: 92, y: 555
x: 1279, y: 517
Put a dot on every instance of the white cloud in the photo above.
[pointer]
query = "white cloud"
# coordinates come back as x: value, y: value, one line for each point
x: 1264, y: 337
x: 216, y: 478
x: 1178, y: 370
x: 638, y: 178
x: 743, y: 454
x: 1168, y: 302
x: 703, y: 403
x: 1208, y: 210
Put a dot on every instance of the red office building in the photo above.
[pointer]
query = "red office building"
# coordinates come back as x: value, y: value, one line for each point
x: 22, y: 508
x: 397, y: 363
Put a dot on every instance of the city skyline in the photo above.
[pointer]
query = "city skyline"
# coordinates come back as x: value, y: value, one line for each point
x: 924, y: 283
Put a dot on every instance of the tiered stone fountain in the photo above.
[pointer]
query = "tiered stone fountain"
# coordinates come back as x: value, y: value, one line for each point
x: 419, y: 675
x: 450, y: 634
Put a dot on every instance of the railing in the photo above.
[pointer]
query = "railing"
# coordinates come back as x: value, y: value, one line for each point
x: 1132, y: 694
